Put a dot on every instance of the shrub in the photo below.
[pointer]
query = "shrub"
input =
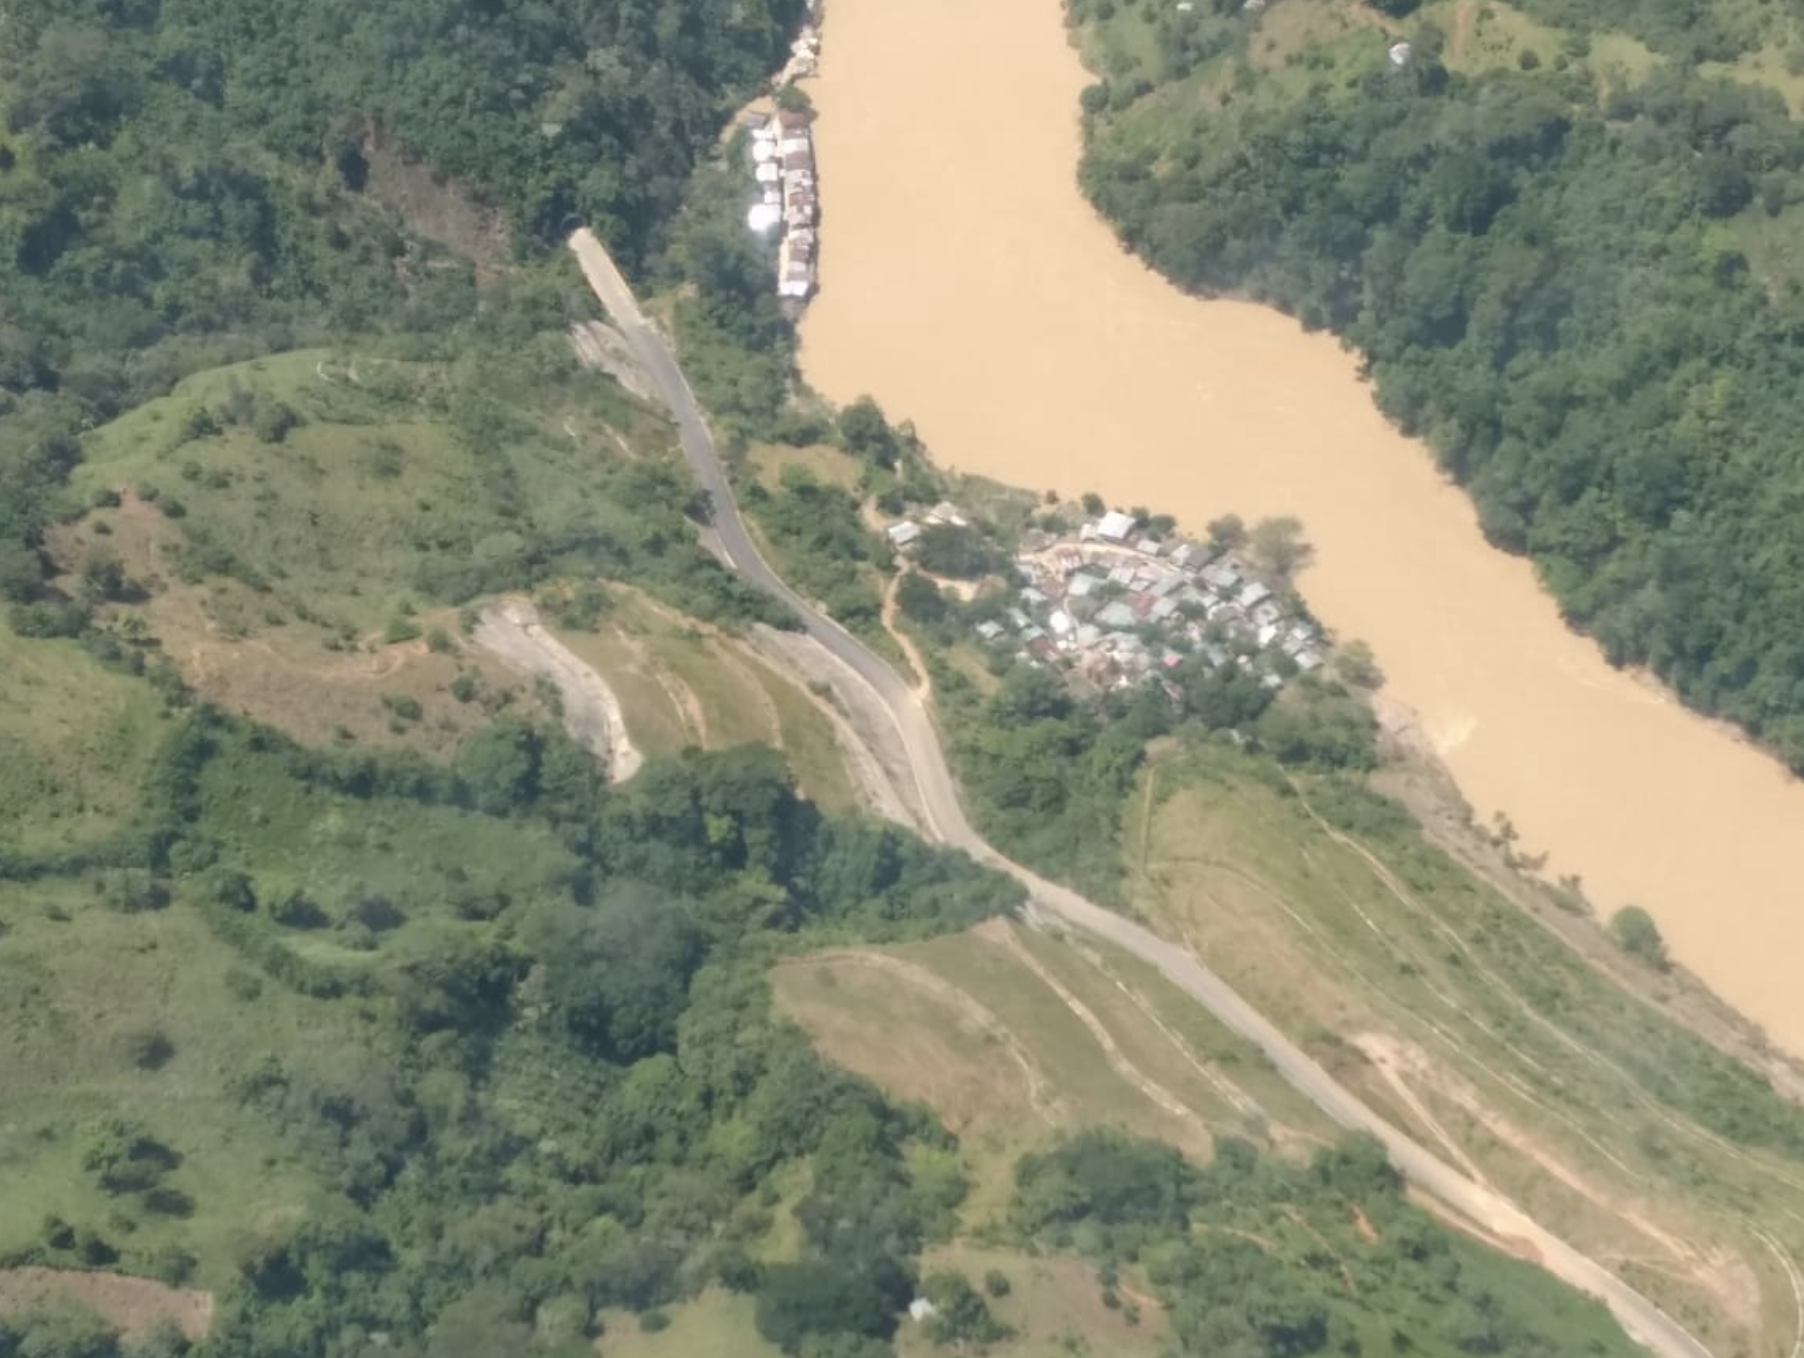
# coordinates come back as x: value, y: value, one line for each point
x: 1636, y: 934
x: 403, y: 705
x: 149, y: 1049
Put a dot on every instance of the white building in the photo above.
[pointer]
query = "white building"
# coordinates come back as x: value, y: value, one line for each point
x: 1115, y: 526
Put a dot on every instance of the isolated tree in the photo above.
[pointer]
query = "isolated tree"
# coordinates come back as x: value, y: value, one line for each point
x: 920, y: 599
x: 1355, y: 663
x: 1278, y: 546
x: 1227, y: 532
x: 865, y: 433
x: 1636, y: 934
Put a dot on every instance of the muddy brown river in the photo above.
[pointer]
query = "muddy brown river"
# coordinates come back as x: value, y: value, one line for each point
x: 967, y: 284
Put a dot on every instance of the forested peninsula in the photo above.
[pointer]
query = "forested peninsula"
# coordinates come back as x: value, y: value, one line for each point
x: 1561, y: 236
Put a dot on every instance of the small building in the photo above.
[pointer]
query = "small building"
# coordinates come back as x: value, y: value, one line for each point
x: 1081, y: 586
x: 1400, y: 53
x: 1033, y: 598
x: 1252, y: 594
x: 1020, y: 619
x: 1162, y: 610
x: 1061, y: 623
x: 1308, y: 660
x: 1149, y: 546
x: 921, y: 1309
x: 989, y: 631
x: 1115, y: 526
x: 763, y: 217
x: 947, y: 513
x: 1087, y: 635
x: 903, y: 533
x: 1118, y: 614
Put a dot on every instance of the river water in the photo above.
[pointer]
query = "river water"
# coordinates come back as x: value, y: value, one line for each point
x: 967, y: 284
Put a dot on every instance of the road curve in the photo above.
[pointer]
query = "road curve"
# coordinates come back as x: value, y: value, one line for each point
x: 1639, y: 1316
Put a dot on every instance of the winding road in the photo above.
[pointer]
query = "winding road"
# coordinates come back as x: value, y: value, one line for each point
x: 938, y: 798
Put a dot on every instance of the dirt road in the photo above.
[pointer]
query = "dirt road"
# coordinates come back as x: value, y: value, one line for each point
x: 511, y: 630
x: 871, y: 679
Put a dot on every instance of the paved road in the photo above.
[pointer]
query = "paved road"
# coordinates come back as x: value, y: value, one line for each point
x: 939, y: 797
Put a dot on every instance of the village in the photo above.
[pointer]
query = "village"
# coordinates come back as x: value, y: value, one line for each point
x: 1114, y: 606
x: 782, y: 164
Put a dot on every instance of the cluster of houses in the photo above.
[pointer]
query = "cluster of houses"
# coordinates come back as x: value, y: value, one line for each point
x: 1116, y: 607
x: 783, y: 168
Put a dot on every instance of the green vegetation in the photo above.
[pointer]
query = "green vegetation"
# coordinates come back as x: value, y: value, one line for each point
x: 1567, y: 279
x: 1256, y: 1255
x: 416, y: 988
x: 737, y: 346
x: 822, y: 543
x: 1049, y: 773
x: 183, y: 184
x: 419, y: 479
x: 1636, y: 934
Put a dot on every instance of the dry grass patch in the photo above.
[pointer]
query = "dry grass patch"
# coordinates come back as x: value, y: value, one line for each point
x: 716, y: 1324
x: 824, y: 462
x: 238, y: 649
x: 1005, y: 1045
x: 132, y: 1306
x: 1054, y: 1305
x: 1472, y: 1029
x: 919, y: 1036
x: 436, y: 206
x: 683, y: 684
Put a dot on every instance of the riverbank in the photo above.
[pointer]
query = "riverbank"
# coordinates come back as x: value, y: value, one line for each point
x: 1040, y: 354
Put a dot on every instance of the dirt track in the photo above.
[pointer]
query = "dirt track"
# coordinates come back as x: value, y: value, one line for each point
x: 936, y: 793
x: 511, y: 630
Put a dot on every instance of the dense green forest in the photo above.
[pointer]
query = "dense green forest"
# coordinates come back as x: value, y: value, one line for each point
x: 1569, y: 285
x: 566, y: 1084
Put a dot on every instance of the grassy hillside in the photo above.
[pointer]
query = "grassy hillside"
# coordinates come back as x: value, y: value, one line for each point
x: 322, y: 1004
x: 1480, y: 1030
x: 75, y: 738
x: 1029, y: 1046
